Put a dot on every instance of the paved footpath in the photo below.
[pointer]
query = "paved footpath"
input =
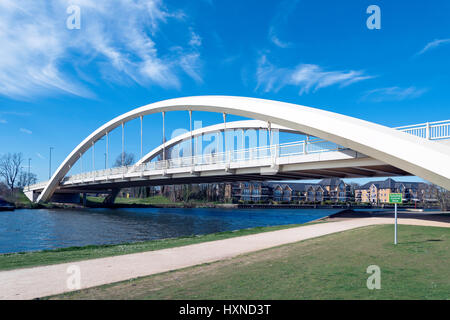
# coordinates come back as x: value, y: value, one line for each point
x: 43, y: 281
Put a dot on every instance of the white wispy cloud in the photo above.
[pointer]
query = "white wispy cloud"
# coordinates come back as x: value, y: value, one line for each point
x: 25, y: 131
x: 273, y: 37
x: 117, y: 39
x: 196, y: 40
x: 307, y: 77
x: 3, y: 121
x: 433, y: 44
x: 191, y: 64
x: 393, y: 94
x: 40, y: 156
x: 283, y: 11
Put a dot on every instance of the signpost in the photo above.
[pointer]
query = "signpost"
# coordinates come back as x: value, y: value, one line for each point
x: 395, y: 198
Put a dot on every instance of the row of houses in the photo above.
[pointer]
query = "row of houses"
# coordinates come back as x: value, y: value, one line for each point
x: 331, y: 189
x: 378, y: 191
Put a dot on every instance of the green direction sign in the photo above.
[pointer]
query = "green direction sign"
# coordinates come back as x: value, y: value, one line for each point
x: 395, y: 198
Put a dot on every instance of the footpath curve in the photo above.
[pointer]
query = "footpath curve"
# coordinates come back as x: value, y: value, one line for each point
x: 36, y: 282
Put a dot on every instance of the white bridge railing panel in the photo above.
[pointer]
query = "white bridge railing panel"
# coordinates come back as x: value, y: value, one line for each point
x: 243, y: 155
x: 440, y: 131
x: 430, y: 130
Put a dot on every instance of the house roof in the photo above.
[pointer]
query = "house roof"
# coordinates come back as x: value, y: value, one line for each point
x: 295, y: 186
x: 389, y: 184
x: 333, y: 182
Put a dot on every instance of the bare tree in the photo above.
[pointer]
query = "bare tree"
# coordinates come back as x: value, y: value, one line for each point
x: 127, y: 158
x: 3, y: 189
x: 26, y: 179
x: 10, y: 168
x: 439, y: 194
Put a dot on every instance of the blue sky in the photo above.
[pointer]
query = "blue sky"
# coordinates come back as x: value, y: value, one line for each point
x: 58, y: 85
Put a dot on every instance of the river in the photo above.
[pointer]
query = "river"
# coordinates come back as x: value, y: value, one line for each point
x: 31, y: 230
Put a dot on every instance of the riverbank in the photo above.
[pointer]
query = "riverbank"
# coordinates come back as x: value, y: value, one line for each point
x: 11, y: 261
x: 333, y: 267
x: 163, y: 202
x: 21, y: 202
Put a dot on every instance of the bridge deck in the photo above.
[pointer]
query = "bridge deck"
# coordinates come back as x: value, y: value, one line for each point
x: 308, y: 159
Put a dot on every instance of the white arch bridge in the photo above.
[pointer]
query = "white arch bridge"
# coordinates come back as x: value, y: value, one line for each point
x: 334, y: 145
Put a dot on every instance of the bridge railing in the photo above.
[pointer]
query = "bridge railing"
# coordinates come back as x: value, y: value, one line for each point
x: 429, y: 130
x: 249, y: 154
x: 38, y: 185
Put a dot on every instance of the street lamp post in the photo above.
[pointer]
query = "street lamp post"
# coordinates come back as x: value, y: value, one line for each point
x: 28, y: 176
x: 50, y: 164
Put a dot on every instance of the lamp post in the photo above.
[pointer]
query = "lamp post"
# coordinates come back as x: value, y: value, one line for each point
x: 28, y: 176
x: 50, y: 164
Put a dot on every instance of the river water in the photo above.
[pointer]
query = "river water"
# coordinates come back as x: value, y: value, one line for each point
x: 30, y: 230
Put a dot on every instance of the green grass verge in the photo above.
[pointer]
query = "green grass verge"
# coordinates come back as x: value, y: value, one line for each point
x: 155, y: 200
x: 31, y: 259
x: 18, y: 199
x: 22, y: 199
x: 329, y: 267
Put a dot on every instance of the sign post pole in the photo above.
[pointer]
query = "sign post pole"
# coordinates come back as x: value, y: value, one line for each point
x: 395, y: 233
x: 395, y: 198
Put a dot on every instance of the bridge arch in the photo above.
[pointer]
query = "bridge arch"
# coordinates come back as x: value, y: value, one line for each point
x: 423, y: 158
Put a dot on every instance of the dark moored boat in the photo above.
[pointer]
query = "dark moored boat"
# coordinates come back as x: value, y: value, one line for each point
x: 6, y: 206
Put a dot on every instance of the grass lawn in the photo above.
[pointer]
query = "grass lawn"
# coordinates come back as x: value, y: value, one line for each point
x: 329, y: 267
x: 30, y: 259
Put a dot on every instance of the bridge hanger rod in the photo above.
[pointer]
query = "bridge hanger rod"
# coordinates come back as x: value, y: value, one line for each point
x: 141, y: 117
x: 164, y: 135
x: 269, y: 132
x: 243, y: 144
x: 224, y: 132
x: 123, y: 144
x: 191, y: 140
x: 81, y: 162
x: 93, y: 156
x: 107, y: 149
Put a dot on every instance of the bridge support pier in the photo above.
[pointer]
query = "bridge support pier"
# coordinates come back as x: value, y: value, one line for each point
x: 31, y: 195
x: 112, y: 196
x: 56, y: 197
